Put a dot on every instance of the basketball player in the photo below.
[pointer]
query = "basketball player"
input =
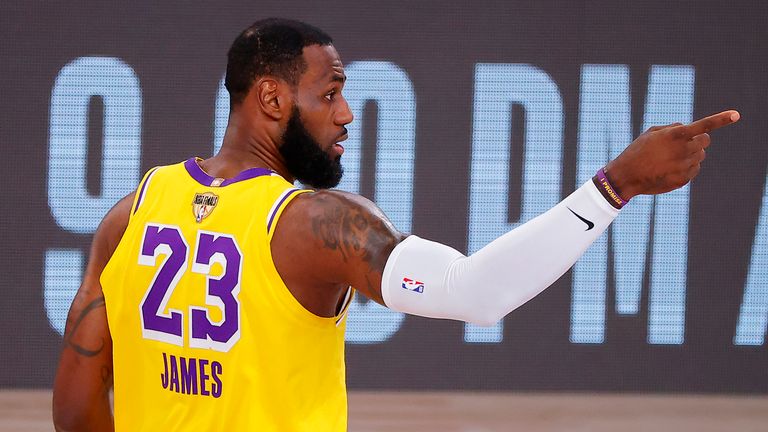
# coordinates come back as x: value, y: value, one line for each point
x: 215, y: 295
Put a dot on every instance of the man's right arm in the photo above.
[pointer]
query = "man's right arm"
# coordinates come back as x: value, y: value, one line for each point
x: 84, y: 378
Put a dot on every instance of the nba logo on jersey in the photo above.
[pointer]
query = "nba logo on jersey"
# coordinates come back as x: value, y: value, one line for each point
x: 413, y: 285
x: 203, y: 205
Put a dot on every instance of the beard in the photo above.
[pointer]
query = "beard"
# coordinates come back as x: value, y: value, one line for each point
x: 304, y: 158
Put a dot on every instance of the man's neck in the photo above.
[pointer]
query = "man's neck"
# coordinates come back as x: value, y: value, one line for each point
x: 245, y: 148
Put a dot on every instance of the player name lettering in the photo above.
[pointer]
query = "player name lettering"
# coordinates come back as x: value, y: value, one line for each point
x: 191, y: 376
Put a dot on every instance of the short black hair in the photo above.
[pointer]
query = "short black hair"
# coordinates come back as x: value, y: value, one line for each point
x: 271, y: 46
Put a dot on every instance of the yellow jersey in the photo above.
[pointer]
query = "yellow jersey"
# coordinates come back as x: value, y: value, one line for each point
x: 206, y: 336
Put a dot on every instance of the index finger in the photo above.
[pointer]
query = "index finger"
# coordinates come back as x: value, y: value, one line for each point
x: 712, y: 122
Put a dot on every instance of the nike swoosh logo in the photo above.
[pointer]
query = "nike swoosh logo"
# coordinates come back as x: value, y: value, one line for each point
x: 589, y: 223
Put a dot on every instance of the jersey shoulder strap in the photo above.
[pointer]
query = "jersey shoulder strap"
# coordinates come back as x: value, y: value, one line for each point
x: 279, y: 205
x: 141, y: 190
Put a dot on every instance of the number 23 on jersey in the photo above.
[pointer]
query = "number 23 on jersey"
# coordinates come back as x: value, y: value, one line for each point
x: 221, y: 291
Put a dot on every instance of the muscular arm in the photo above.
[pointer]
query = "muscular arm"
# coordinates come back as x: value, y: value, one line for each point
x: 84, y: 378
x: 346, y: 240
x: 331, y: 240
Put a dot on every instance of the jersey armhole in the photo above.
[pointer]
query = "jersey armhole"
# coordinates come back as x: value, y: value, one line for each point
x: 345, y: 305
x: 277, y: 209
x: 141, y: 191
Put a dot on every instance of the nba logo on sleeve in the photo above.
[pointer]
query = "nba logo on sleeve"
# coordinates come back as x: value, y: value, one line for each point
x: 413, y: 285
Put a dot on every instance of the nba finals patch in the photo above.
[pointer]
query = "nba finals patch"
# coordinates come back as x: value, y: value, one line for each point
x: 203, y: 205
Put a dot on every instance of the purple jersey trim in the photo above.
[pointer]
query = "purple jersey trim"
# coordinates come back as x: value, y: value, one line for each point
x: 204, y: 179
x: 144, y: 188
x: 279, y: 204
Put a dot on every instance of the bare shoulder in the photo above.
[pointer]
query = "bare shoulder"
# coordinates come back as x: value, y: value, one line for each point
x: 339, y: 209
x: 112, y: 227
x: 350, y: 224
x: 347, y: 235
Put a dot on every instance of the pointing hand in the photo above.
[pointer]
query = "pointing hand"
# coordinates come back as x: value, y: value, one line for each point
x: 664, y: 158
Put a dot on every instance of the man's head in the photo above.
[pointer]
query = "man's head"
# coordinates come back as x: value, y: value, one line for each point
x: 290, y: 73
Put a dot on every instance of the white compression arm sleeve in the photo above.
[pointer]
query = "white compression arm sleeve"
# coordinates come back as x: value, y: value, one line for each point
x: 430, y: 279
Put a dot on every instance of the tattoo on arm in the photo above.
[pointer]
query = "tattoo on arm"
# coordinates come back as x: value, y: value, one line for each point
x: 69, y: 337
x: 357, y: 234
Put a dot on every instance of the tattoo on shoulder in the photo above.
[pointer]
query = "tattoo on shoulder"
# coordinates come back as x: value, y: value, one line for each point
x: 355, y: 233
x: 71, y: 334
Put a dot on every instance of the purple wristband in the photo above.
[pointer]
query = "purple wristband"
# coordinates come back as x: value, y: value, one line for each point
x: 608, y: 190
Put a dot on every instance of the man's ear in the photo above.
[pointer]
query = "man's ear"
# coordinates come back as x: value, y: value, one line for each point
x: 271, y: 98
